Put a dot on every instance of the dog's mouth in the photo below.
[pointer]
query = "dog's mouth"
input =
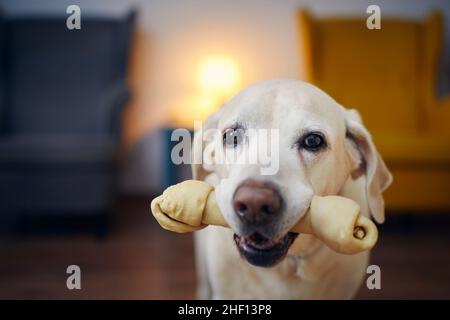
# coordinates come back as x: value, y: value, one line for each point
x: 261, y: 251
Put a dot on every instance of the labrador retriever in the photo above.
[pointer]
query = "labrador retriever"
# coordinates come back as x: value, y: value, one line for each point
x: 322, y: 149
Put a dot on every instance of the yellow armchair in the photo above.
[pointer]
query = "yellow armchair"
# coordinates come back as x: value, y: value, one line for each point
x: 390, y: 76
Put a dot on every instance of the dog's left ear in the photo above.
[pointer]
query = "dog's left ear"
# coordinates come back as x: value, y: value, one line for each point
x: 378, y: 177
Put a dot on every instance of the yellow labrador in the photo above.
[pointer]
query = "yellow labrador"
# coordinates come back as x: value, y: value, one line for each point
x: 317, y: 147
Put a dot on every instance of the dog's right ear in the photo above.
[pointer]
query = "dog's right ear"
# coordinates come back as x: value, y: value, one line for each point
x: 201, y: 162
x: 378, y: 177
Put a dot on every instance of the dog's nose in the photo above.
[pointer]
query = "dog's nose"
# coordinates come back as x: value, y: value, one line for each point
x: 256, y: 202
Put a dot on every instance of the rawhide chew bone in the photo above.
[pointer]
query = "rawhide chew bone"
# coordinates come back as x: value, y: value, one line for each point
x: 191, y: 205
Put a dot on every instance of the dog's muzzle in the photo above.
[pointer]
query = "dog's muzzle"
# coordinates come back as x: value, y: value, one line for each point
x: 258, y: 205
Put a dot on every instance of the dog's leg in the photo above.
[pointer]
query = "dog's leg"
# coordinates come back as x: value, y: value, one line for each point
x: 203, y: 286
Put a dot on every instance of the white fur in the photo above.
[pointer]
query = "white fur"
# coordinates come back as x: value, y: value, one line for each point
x: 311, y: 270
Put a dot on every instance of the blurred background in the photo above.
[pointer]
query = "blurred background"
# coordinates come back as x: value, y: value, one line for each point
x: 86, y: 117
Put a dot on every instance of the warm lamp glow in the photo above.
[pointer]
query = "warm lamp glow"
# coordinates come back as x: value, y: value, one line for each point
x: 193, y: 108
x: 219, y: 76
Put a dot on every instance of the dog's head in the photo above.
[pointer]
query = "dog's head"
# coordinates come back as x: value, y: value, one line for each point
x: 312, y: 144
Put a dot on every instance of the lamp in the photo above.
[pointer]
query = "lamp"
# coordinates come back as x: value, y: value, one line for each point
x: 217, y: 79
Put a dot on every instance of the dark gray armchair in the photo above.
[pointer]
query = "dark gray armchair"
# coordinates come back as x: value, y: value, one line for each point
x: 62, y: 94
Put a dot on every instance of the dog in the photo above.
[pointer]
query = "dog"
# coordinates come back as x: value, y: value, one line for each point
x: 323, y: 149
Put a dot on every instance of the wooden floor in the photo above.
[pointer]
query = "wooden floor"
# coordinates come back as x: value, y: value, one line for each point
x: 138, y: 260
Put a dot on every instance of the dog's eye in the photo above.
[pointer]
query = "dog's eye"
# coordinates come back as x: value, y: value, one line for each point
x: 312, y: 142
x: 232, y: 137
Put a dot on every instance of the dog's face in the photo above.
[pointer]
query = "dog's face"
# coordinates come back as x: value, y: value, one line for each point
x: 314, y: 144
